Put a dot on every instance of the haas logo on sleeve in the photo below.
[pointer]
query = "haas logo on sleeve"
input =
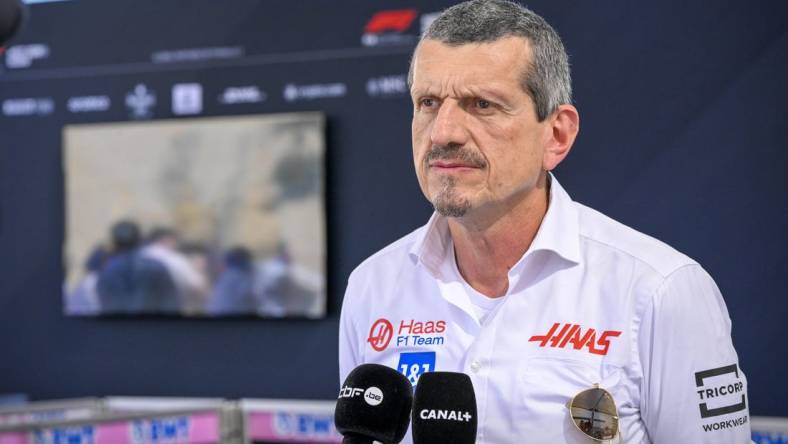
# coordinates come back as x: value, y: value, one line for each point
x: 575, y: 336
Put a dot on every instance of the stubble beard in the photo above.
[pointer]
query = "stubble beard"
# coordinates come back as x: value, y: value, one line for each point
x: 447, y: 202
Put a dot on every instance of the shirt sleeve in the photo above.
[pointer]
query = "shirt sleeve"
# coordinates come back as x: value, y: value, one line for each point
x: 693, y: 388
x: 349, y: 355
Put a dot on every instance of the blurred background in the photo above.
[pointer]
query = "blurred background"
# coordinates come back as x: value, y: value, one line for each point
x: 682, y: 137
x: 196, y: 217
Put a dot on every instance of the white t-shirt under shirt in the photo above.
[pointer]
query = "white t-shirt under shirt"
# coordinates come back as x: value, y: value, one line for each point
x: 482, y: 304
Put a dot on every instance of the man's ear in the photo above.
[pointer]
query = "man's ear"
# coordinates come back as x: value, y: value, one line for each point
x: 564, y: 124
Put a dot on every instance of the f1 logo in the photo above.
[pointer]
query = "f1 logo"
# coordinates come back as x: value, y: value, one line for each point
x: 398, y: 21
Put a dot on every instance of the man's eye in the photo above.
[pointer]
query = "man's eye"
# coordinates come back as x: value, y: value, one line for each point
x: 427, y: 102
x: 483, y: 104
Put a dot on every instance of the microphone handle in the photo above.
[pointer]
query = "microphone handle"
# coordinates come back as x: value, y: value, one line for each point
x: 357, y: 439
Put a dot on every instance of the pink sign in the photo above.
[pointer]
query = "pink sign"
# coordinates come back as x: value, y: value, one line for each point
x: 13, y: 438
x: 291, y: 427
x: 195, y: 429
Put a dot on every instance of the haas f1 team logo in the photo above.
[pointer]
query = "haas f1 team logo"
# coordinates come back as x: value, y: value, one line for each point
x: 410, y: 333
x: 380, y: 334
x: 573, y: 334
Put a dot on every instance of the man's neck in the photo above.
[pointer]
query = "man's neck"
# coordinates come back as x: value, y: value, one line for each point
x: 488, y: 246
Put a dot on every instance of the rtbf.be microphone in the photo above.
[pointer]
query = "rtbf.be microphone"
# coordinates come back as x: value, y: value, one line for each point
x: 374, y: 405
x: 444, y: 409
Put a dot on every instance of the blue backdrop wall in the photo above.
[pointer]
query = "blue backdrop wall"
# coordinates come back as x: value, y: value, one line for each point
x: 683, y: 137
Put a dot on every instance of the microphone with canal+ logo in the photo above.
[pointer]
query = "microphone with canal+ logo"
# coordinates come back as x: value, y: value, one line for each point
x: 374, y: 405
x: 444, y: 409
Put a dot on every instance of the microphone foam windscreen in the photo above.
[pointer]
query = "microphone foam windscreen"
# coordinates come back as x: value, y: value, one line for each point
x: 374, y: 404
x: 444, y: 409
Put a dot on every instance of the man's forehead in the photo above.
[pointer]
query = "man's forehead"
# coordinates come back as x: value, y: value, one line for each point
x: 503, y: 59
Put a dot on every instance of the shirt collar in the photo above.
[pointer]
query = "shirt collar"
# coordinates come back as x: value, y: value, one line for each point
x: 560, y: 228
x: 559, y: 233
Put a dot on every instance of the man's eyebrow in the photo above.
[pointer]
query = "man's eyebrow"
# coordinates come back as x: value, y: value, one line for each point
x: 488, y: 93
x: 422, y: 90
x: 468, y: 92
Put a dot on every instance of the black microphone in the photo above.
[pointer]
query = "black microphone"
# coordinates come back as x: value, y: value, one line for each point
x: 444, y: 409
x: 11, y: 15
x: 374, y: 405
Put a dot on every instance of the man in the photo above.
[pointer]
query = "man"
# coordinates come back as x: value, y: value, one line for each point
x: 233, y: 293
x: 192, y: 285
x: 536, y: 297
x: 130, y: 283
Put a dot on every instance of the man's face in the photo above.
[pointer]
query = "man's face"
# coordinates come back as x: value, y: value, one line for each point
x: 477, y: 143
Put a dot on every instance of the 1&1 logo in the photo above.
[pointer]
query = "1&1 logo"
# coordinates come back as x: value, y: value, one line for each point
x: 380, y: 334
x: 413, y: 365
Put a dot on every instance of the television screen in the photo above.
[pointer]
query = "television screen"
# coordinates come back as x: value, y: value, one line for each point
x: 215, y: 216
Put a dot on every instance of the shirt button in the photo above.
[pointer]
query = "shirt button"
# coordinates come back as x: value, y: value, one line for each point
x: 476, y: 366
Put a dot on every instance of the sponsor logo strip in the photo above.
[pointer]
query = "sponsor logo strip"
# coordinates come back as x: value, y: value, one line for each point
x: 23, y: 56
x: 187, y: 98
x: 241, y: 94
x: 86, y: 104
x: 140, y: 102
x: 293, y: 92
x: 30, y: 106
x: 387, y: 86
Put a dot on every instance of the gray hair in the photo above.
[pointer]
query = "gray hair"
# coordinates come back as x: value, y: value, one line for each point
x: 546, y: 80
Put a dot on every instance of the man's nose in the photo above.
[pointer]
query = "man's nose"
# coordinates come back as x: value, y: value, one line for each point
x: 449, y: 125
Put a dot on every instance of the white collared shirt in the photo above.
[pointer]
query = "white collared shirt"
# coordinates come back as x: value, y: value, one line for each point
x: 591, y: 302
